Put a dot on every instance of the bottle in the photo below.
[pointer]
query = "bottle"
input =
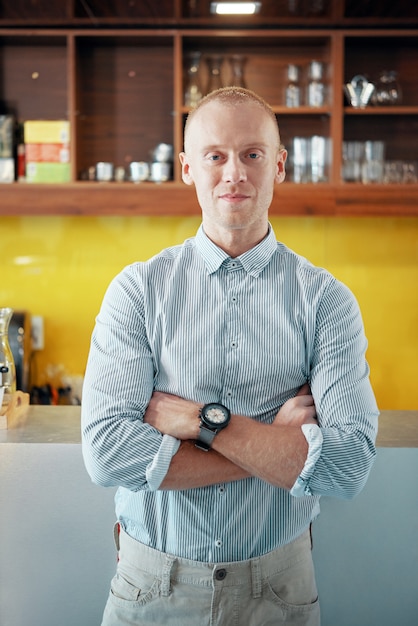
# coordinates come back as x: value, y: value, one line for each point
x: 193, y: 93
x: 316, y: 88
x: 7, y: 365
x: 237, y: 63
x: 214, y: 63
x: 292, y: 89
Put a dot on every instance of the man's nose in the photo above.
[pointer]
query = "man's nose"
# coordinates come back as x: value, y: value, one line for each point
x: 234, y: 170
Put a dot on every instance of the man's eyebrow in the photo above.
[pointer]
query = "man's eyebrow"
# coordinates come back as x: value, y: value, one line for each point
x: 249, y: 146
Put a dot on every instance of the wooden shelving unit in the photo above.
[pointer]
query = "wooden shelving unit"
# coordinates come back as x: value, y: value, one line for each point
x: 118, y: 75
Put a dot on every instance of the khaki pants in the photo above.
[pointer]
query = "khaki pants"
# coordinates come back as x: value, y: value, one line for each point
x: 151, y: 588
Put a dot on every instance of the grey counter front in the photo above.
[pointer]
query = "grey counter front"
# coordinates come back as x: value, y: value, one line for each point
x: 56, y: 547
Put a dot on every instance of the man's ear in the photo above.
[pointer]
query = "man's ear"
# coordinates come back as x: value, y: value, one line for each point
x: 185, y: 169
x: 281, y: 171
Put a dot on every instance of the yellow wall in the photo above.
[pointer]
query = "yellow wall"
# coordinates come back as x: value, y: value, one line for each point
x: 59, y: 268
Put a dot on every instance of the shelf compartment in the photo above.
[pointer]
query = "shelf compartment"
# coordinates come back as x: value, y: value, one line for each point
x: 32, y: 66
x: 111, y: 9
x: 41, y: 10
x: 378, y: 9
x: 399, y: 132
x: 369, y: 55
x: 267, y: 57
x: 124, y: 102
x: 269, y: 9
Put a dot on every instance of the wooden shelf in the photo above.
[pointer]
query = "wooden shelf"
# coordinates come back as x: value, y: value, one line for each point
x: 382, y: 110
x: 118, y: 74
x: 172, y: 199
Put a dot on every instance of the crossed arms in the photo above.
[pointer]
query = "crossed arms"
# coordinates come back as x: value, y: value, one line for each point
x: 273, y: 452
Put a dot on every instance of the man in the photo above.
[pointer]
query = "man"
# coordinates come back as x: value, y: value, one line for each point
x: 226, y: 390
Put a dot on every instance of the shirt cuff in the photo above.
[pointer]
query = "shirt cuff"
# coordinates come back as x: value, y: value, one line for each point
x: 313, y: 436
x: 158, y: 468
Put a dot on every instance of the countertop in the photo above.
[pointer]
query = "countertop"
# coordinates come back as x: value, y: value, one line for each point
x: 61, y: 424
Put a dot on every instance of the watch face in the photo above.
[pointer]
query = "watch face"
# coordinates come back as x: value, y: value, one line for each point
x: 215, y: 415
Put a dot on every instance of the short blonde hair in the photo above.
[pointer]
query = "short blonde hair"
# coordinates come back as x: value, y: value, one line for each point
x: 233, y: 96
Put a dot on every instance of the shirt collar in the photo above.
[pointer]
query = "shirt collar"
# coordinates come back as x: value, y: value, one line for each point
x: 253, y: 261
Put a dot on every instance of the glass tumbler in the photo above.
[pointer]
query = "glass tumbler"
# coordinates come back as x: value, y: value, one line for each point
x: 372, y: 170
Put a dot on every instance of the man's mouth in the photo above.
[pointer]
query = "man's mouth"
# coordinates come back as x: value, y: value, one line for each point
x: 233, y: 197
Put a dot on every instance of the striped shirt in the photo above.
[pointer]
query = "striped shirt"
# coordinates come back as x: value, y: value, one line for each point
x: 247, y: 332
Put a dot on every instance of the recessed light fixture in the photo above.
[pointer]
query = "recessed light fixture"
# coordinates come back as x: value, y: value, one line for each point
x: 235, y: 8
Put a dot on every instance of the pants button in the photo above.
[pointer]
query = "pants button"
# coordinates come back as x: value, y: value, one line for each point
x: 220, y: 574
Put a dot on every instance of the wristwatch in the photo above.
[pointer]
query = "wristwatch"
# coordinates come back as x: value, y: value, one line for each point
x: 213, y: 418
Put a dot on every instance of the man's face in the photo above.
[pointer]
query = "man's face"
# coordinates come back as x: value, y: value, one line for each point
x: 233, y: 159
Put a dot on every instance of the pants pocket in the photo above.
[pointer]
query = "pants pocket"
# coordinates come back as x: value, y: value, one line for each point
x: 139, y: 588
x: 294, y: 588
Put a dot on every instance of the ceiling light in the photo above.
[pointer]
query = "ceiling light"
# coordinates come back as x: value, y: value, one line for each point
x: 235, y: 8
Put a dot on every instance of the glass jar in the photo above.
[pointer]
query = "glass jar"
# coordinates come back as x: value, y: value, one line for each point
x: 7, y: 365
x: 388, y: 90
x: 316, y: 87
x: 292, y: 95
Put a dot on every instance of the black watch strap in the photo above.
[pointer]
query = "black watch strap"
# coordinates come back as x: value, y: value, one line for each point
x: 205, y: 439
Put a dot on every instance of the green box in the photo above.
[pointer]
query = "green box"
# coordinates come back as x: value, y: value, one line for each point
x: 37, y: 172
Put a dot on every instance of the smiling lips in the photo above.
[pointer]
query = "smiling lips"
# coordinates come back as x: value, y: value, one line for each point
x: 233, y: 197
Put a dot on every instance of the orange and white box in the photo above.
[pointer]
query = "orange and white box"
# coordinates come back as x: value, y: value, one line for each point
x: 47, y: 152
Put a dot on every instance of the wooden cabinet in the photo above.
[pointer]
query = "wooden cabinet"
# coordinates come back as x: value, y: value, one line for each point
x: 118, y: 72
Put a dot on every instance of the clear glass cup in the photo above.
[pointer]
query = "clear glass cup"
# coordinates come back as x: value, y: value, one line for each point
x: 300, y: 159
x: 393, y: 172
x: 353, y: 155
x: 409, y: 172
x: 373, y: 165
x: 319, y: 159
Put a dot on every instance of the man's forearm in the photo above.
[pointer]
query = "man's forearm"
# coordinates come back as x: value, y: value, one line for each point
x: 191, y: 468
x: 275, y: 453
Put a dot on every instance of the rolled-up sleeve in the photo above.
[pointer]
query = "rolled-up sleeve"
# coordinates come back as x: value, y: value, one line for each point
x: 342, y: 445
x: 119, y: 449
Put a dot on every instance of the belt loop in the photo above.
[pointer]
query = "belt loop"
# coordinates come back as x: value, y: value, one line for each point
x: 165, y: 577
x: 256, y: 578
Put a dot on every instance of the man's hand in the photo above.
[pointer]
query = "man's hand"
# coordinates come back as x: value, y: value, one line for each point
x: 174, y: 416
x: 298, y: 410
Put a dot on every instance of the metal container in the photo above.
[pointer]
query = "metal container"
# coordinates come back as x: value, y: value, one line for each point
x: 160, y: 172
x: 139, y: 171
x: 104, y: 171
x: 163, y: 153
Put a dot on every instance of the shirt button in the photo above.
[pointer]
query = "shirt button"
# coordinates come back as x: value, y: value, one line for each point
x: 234, y: 299
x: 234, y: 344
x: 221, y: 489
x: 218, y: 543
x: 220, y: 574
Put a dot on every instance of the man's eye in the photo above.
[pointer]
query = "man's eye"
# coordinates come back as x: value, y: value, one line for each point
x: 253, y: 155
